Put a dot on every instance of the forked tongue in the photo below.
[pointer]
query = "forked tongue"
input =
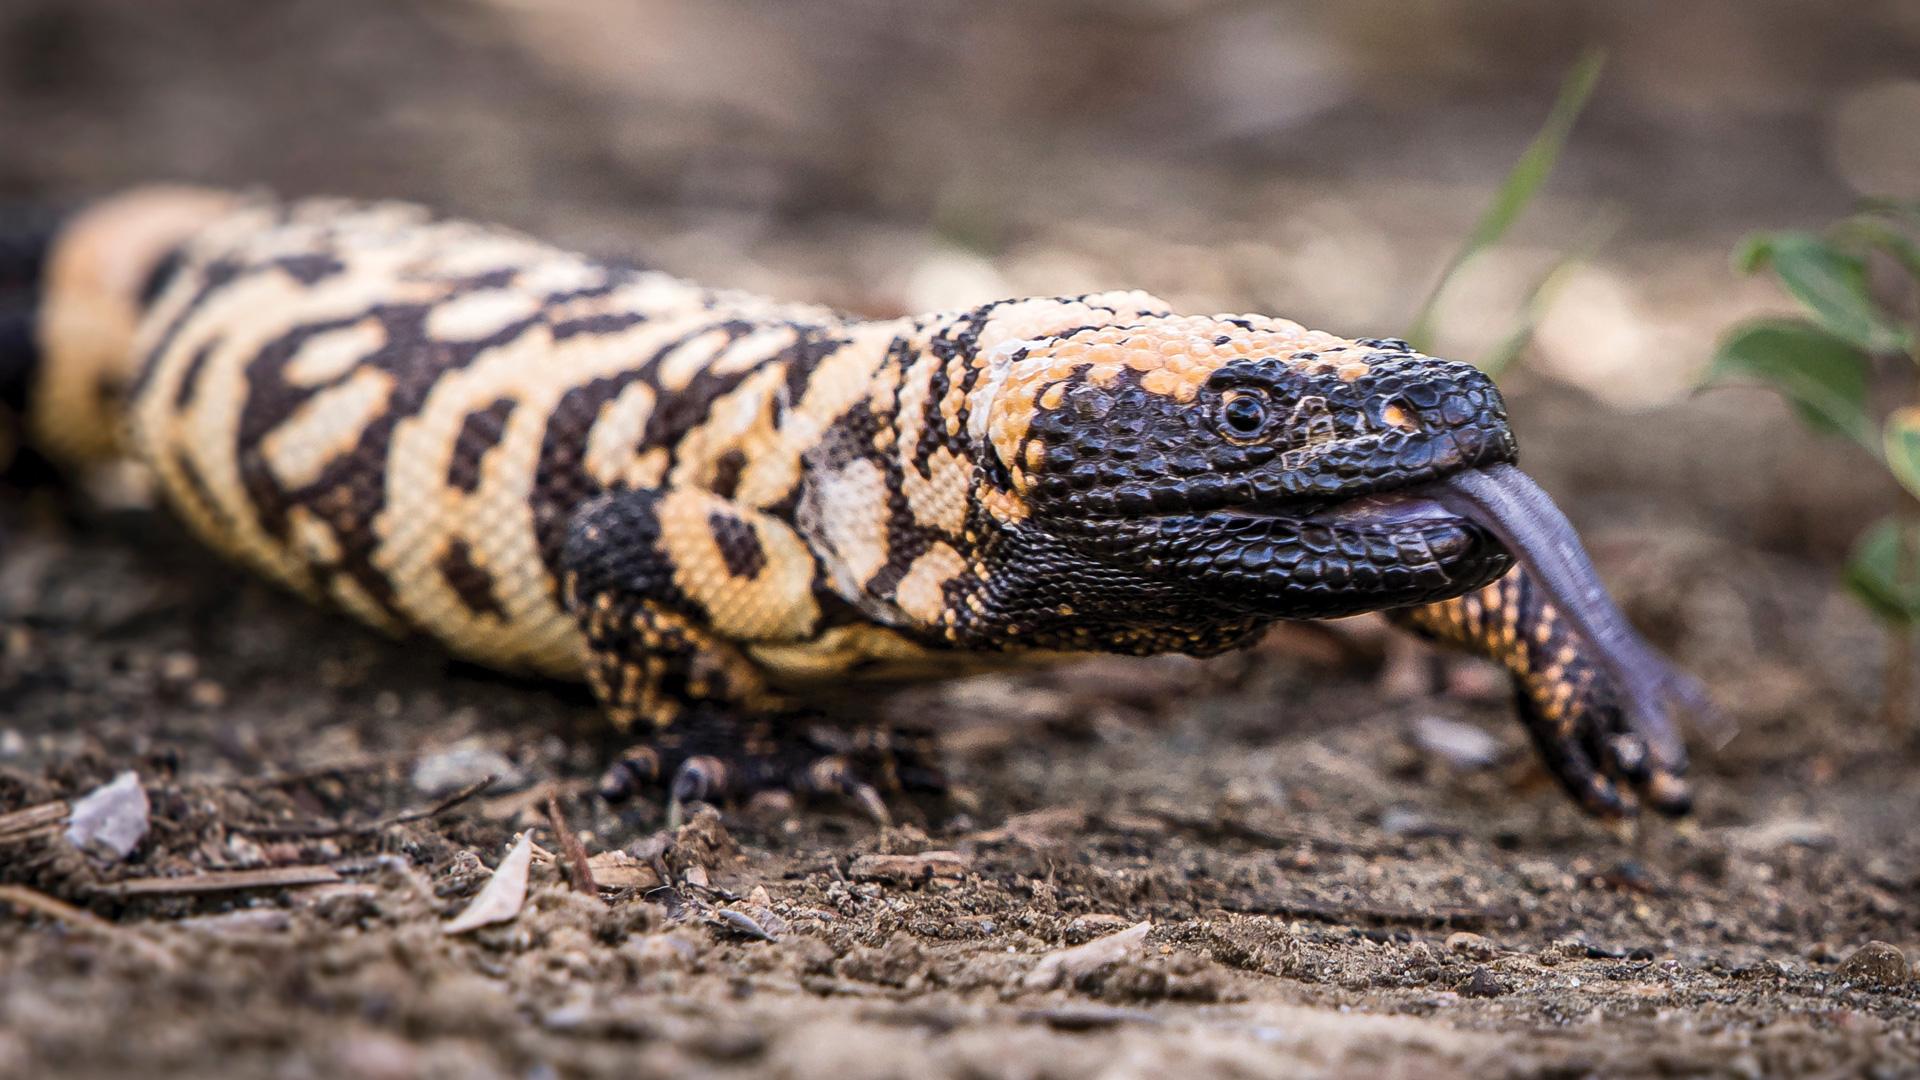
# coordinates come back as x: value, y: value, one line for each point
x: 1509, y: 504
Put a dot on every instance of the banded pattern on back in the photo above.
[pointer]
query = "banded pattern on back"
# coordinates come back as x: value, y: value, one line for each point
x: 398, y: 414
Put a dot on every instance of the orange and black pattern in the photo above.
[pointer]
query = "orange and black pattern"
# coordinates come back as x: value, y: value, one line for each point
x: 696, y: 499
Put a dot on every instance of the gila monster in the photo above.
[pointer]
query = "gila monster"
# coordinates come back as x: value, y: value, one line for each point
x: 703, y: 502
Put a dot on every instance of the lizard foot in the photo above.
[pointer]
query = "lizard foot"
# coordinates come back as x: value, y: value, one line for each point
x: 723, y: 758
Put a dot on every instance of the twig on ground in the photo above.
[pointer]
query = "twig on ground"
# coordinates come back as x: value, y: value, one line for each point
x: 32, y: 821
x: 40, y: 903
x: 311, y: 830
x: 266, y: 877
x: 33, y: 900
x: 578, y: 872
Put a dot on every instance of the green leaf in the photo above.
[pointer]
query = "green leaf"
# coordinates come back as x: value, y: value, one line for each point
x: 1886, y: 206
x: 1882, y: 575
x: 1522, y: 183
x: 1829, y: 282
x: 1867, y: 231
x: 1900, y: 439
x: 1823, y: 375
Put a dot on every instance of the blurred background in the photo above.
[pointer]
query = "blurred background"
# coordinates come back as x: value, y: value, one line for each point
x: 1318, y: 161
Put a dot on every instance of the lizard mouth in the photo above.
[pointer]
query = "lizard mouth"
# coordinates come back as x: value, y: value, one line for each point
x: 1323, y: 559
x: 1388, y: 511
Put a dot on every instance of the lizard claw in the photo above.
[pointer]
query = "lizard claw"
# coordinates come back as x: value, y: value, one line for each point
x: 719, y: 758
x: 701, y: 778
x: 836, y: 776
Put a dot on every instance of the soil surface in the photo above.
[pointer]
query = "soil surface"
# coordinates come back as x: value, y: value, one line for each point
x: 1321, y: 857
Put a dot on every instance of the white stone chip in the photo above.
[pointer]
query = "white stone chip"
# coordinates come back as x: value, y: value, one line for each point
x: 111, y: 819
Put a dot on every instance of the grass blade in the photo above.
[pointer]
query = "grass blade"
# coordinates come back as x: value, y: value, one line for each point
x: 1540, y: 300
x: 1518, y: 189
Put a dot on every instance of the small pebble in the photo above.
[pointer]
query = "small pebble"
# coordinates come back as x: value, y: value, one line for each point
x: 745, y: 925
x: 1462, y: 746
x: 1564, y: 949
x: 1482, y: 983
x: 1401, y: 821
x: 463, y: 765
x: 1471, y: 945
x: 244, y: 921
x: 111, y: 819
x: 1876, y: 964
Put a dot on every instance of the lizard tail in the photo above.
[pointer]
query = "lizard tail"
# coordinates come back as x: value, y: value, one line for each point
x: 73, y: 295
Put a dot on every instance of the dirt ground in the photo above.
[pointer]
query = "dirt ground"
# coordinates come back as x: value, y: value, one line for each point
x: 1301, y: 861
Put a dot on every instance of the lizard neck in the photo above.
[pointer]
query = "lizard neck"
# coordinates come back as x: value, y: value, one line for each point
x: 905, y: 503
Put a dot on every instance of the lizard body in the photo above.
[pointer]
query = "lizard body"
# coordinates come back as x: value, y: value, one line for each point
x: 698, y: 499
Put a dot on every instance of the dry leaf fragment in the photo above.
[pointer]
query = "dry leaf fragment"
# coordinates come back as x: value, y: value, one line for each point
x: 501, y: 898
x: 1066, y: 964
x: 619, y: 870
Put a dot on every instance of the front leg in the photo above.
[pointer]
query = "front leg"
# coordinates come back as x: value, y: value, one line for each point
x: 636, y: 584
x: 1564, y: 698
x: 667, y: 587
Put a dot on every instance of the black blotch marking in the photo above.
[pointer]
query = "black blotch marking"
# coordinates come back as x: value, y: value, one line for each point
x: 109, y: 390
x: 157, y: 279
x: 271, y: 401
x: 803, y: 357
x: 560, y: 479
x: 470, y: 581
x: 906, y: 538
x: 190, y: 378
x: 607, y: 323
x: 611, y: 545
x: 483, y: 281
x: 933, y: 428
x: 726, y: 473
x: 683, y: 410
x: 417, y: 361
x: 561, y: 483
x: 213, y: 277
x: 201, y: 494
x: 310, y: 269
x: 739, y: 545
x: 480, y: 432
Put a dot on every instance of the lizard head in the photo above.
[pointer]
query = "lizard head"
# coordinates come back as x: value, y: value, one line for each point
x: 1242, y: 467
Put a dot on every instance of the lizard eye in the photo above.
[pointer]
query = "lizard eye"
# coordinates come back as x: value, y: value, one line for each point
x: 1243, y: 414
